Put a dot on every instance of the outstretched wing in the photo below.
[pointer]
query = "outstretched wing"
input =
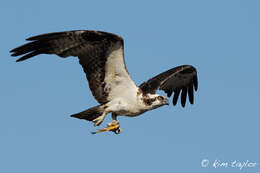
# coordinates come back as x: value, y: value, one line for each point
x: 182, y: 78
x: 101, y: 55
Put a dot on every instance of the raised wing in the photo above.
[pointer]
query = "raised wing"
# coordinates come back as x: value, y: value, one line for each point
x: 101, y: 55
x: 182, y: 78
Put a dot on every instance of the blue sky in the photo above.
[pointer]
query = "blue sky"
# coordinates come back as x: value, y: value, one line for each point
x: 220, y: 38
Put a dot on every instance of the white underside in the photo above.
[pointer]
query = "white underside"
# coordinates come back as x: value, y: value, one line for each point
x: 123, y: 93
x: 122, y: 89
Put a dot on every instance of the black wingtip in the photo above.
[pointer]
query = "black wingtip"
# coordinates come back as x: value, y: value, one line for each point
x: 29, y: 55
x: 19, y: 60
x: 183, y: 96
x: 195, y: 82
x: 175, y: 97
x: 11, y: 51
x: 14, y: 51
x: 190, y: 94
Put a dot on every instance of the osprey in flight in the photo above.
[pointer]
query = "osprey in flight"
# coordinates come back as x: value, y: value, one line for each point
x: 101, y: 55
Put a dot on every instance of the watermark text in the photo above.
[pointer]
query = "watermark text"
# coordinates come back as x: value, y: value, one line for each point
x: 238, y: 164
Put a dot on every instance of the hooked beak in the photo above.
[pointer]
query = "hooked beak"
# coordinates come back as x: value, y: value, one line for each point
x: 166, y: 102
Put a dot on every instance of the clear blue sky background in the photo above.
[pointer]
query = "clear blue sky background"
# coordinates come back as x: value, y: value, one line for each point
x: 221, y: 38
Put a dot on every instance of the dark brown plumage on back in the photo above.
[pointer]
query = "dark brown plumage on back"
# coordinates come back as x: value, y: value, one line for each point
x: 91, y: 47
x: 179, y: 79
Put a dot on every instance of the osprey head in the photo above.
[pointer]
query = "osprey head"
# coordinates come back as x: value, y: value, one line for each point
x: 153, y: 101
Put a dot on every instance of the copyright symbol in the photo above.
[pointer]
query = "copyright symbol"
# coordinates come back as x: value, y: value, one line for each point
x: 204, y: 163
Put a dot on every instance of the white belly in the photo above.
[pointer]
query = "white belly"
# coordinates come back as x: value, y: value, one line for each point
x: 130, y: 107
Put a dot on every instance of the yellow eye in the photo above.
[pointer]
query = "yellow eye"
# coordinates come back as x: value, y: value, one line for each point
x: 160, y: 98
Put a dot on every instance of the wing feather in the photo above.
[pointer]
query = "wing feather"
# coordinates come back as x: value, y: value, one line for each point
x: 190, y: 93
x: 176, y: 96
x: 183, y: 96
x: 179, y: 79
x: 94, y: 50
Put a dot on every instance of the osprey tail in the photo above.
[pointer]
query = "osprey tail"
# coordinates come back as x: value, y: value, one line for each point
x: 90, y: 114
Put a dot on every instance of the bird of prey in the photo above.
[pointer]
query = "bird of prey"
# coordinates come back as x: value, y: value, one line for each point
x: 101, y: 54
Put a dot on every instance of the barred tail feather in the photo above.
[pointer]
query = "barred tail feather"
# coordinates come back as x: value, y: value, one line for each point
x: 90, y: 114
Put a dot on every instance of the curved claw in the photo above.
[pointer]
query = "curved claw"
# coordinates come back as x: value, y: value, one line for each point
x: 117, y: 131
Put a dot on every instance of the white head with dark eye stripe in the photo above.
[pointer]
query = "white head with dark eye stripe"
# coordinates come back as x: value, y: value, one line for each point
x: 153, y: 101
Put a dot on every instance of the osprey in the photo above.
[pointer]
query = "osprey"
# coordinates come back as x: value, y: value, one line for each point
x: 101, y: 55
